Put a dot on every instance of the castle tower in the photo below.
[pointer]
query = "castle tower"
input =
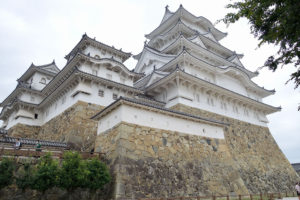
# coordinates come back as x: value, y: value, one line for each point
x: 187, y: 121
x: 210, y: 133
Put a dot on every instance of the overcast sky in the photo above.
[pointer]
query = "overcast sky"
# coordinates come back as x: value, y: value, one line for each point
x: 40, y: 31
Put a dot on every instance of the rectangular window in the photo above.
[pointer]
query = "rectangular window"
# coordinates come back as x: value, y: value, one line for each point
x: 36, y: 116
x: 109, y: 76
x: 100, y: 93
x: 122, y: 80
x: 95, y: 72
x: 115, y: 96
x: 63, y: 100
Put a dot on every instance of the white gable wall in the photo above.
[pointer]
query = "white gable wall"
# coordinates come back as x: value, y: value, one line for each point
x: 102, y: 71
x: 94, y: 52
x: 37, y: 80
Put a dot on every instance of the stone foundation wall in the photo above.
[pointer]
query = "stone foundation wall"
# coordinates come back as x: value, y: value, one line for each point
x: 150, y: 162
x: 262, y: 165
x: 24, y: 131
x: 73, y: 126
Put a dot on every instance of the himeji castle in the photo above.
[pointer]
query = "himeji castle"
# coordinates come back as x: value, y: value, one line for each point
x: 187, y: 120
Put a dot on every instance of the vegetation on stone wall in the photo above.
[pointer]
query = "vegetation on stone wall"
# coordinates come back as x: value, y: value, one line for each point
x: 6, y: 172
x: 72, y: 173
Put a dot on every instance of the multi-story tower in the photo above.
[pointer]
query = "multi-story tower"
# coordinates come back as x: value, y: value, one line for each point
x: 185, y: 64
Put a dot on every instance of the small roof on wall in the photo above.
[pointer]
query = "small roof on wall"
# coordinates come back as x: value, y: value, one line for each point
x: 141, y: 104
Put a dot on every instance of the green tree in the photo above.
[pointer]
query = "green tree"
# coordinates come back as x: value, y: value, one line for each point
x: 72, y: 172
x: 46, y: 173
x: 273, y: 22
x: 25, y: 176
x: 98, y: 174
x: 7, y: 167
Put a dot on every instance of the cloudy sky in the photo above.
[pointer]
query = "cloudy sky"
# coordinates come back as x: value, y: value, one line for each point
x: 40, y: 31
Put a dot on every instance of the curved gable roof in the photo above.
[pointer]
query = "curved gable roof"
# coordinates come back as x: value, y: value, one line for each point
x: 86, y: 39
x: 49, y: 69
x: 182, y: 12
x: 143, y: 57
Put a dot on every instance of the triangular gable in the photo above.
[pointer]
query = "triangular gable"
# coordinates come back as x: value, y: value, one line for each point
x: 51, y: 67
x: 156, y: 76
x: 198, y: 41
x: 237, y: 61
x: 150, y: 56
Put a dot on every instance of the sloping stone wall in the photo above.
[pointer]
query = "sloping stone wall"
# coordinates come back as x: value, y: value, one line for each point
x: 262, y: 165
x: 150, y: 162
x: 24, y: 131
x: 73, y: 126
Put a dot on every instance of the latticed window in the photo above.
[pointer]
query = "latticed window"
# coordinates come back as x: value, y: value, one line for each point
x: 100, y: 93
x: 43, y: 81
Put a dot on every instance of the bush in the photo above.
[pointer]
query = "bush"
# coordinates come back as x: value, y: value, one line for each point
x: 97, y: 176
x: 46, y: 174
x: 25, y: 177
x: 72, y: 172
x: 7, y: 167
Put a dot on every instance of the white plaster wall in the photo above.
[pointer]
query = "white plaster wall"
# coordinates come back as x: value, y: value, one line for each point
x: 231, y: 84
x: 222, y: 80
x: 25, y: 117
x: 133, y: 115
x: 30, y: 98
x: 102, y: 71
x: 67, y: 100
x: 93, y: 51
x: 198, y: 71
x: 213, y: 104
x: 201, y: 100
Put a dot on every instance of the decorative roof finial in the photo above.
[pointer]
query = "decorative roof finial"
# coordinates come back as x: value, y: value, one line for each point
x: 180, y: 6
x: 53, y: 62
x: 145, y: 42
x: 167, y: 7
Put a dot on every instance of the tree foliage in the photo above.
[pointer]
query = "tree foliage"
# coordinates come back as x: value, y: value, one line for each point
x: 25, y: 176
x: 46, y: 174
x: 97, y: 176
x: 73, y: 172
x: 7, y: 167
x: 273, y: 22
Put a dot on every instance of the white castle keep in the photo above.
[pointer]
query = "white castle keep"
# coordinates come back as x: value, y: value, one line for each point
x: 182, y: 62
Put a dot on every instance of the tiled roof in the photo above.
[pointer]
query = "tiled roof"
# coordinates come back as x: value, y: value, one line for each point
x: 3, y: 131
x: 33, y: 142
